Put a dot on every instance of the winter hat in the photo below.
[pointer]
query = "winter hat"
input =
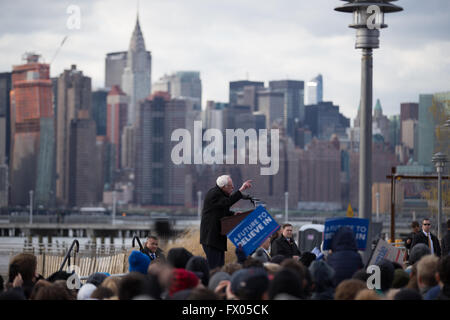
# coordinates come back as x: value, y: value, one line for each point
x: 178, y: 257
x: 182, y: 279
x: 97, y: 278
x: 200, y: 267
x: 86, y: 291
x: 138, y: 262
x: 417, y: 252
x: 321, y: 273
x: 216, y: 278
x: 249, y: 283
x: 401, y: 279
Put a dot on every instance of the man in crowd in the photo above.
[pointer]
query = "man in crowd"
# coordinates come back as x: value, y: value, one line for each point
x: 216, y: 206
x: 152, y: 250
x: 426, y: 237
x: 285, y: 245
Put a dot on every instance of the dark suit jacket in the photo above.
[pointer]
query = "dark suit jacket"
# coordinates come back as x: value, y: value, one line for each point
x: 280, y: 246
x: 215, y: 207
x: 422, y: 238
x: 159, y: 254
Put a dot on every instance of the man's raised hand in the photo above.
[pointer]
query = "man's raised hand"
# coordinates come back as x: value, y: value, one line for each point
x: 246, y: 185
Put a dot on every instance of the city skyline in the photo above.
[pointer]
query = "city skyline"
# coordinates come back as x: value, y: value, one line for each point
x: 228, y: 41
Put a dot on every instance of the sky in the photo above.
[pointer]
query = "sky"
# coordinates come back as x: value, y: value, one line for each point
x: 228, y: 40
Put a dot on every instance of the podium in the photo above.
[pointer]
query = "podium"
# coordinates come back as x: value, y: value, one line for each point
x: 228, y: 223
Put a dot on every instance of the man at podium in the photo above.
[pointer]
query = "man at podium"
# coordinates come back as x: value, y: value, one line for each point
x: 216, y: 205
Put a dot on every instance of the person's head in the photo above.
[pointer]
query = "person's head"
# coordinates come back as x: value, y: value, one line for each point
x: 252, y: 263
x: 200, y: 267
x: 59, y: 275
x: 40, y: 284
x: 286, y: 230
x: 53, y: 291
x: 182, y: 279
x: 426, y: 225
x: 25, y: 264
x: 178, y: 257
x: 152, y: 243
x: 136, y: 284
x: 102, y: 293
x: 322, y: 275
x: 407, y: 294
x: 97, y: 278
x: 138, y: 262
x: 401, y: 279
x: 112, y: 283
x: 387, y: 274
x: 417, y: 252
x: 426, y: 271
x: 367, y: 294
x: 444, y: 270
x: 250, y: 284
x: 348, y: 289
x: 286, y: 281
x: 202, y: 294
x: 231, y: 268
x: 225, y: 183
x: 86, y: 291
x: 415, y: 226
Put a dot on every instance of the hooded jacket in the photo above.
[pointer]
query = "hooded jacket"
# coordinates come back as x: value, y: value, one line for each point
x: 344, y: 259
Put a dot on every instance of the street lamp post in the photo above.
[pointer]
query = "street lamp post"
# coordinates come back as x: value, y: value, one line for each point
x: 439, y: 160
x: 377, y: 195
x: 199, y: 204
x: 114, y: 208
x: 286, y: 207
x: 368, y: 18
x: 31, y: 206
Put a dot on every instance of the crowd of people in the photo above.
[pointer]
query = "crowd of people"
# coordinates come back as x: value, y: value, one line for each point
x: 275, y: 271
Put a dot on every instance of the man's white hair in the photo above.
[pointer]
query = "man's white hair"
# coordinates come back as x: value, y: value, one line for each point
x: 222, y: 181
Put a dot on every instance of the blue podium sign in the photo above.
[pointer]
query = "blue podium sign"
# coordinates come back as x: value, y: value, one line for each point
x: 253, y: 230
x: 359, y: 226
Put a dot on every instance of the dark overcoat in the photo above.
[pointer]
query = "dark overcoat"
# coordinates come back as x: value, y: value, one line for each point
x: 215, y: 207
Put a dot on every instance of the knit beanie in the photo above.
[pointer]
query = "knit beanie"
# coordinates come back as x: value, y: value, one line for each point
x: 182, y: 279
x: 138, y: 262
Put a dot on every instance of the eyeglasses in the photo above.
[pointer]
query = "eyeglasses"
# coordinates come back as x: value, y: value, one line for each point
x: 427, y: 224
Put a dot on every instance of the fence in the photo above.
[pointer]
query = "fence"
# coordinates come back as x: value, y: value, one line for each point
x: 114, y: 264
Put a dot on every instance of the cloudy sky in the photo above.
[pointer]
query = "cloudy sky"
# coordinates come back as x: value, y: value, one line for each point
x: 241, y: 39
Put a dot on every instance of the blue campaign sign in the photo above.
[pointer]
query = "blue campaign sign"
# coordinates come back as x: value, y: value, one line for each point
x: 359, y: 226
x: 253, y: 230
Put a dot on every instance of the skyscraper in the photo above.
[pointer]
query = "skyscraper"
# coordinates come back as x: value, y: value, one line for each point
x: 182, y: 84
x: 314, y: 90
x: 158, y: 180
x: 116, y: 121
x: 5, y: 124
x: 99, y: 110
x: 83, y: 184
x: 136, y: 78
x: 74, y: 102
x: 426, y: 130
x: 294, y: 108
x: 115, y: 63
x: 32, y: 115
x: 237, y: 87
